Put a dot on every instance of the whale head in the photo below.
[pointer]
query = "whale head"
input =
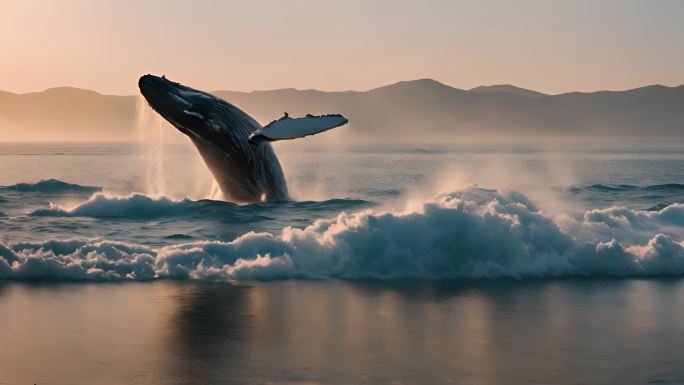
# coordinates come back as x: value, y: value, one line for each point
x: 197, y: 114
x: 174, y: 102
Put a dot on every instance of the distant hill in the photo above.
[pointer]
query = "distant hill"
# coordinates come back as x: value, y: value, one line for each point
x: 66, y: 113
x: 424, y: 109
x: 507, y: 88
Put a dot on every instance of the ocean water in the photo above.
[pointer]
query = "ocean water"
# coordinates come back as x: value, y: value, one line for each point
x: 402, y: 263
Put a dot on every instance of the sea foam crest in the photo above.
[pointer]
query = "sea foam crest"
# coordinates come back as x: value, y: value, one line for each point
x: 102, y: 205
x: 470, y: 234
x: 141, y: 206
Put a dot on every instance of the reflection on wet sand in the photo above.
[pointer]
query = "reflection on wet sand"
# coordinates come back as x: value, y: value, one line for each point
x: 341, y: 332
x: 207, y: 332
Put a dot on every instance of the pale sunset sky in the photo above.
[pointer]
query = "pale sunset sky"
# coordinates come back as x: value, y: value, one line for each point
x: 549, y: 46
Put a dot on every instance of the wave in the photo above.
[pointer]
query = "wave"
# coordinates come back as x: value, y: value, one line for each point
x: 650, y: 197
x: 474, y: 233
x: 140, y: 206
x: 659, y: 206
x: 51, y: 186
x: 392, y: 193
x: 665, y: 187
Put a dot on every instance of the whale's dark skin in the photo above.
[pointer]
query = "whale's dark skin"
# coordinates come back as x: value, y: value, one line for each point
x: 246, y: 172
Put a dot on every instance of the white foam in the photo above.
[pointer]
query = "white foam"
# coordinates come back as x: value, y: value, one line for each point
x: 470, y: 234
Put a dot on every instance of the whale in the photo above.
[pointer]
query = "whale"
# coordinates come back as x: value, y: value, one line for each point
x: 234, y: 146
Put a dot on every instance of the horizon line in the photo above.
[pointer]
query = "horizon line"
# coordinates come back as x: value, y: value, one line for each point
x: 368, y: 90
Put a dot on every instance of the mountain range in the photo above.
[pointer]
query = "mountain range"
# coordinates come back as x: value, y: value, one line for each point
x: 417, y: 110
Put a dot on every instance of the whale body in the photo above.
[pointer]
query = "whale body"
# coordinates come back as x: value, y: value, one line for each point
x: 234, y: 146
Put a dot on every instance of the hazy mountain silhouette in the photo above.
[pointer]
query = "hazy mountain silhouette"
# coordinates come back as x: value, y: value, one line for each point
x: 507, y: 88
x: 66, y: 113
x: 422, y: 109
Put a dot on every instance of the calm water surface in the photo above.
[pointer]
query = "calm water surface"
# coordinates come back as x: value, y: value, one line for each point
x: 341, y: 332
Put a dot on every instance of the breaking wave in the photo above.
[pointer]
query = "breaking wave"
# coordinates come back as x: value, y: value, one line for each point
x: 134, y: 206
x: 470, y: 234
x: 140, y: 206
x: 51, y: 186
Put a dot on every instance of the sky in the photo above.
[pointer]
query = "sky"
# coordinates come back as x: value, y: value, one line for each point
x: 549, y: 46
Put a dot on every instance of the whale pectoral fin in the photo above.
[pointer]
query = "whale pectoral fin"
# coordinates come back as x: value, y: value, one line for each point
x: 291, y: 128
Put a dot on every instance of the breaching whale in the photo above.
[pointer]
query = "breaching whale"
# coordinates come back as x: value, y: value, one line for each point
x: 234, y: 146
